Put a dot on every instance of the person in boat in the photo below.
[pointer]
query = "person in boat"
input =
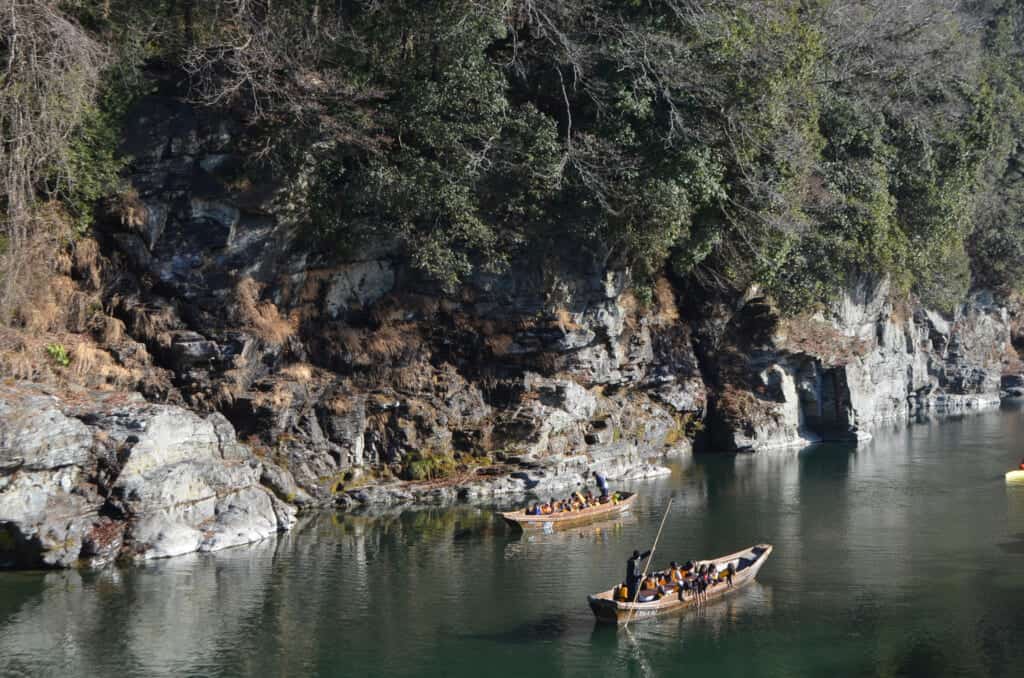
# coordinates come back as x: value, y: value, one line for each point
x: 667, y: 582
x: 602, y: 484
x: 1022, y: 465
x: 729, y: 572
x: 702, y: 582
x: 633, y: 571
x: 684, y: 589
x: 674, y: 573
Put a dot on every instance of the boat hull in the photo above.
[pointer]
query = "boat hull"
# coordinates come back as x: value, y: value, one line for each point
x: 1016, y: 476
x: 560, y: 520
x: 608, y: 610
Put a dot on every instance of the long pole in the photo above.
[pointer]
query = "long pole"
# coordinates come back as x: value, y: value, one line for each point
x: 648, y: 563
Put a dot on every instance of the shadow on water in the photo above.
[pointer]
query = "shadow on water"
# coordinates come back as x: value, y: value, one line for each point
x: 547, y: 628
x: 1014, y: 546
x: 827, y: 461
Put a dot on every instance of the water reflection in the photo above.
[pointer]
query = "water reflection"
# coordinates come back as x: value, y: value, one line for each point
x: 897, y: 556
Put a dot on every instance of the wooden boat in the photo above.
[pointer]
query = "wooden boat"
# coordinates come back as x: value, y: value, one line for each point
x: 569, y: 518
x: 1015, y: 476
x: 747, y: 563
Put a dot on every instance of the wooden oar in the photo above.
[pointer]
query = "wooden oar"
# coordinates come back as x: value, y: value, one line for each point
x: 650, y: 560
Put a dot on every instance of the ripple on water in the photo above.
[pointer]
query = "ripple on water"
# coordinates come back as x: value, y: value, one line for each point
x: 899, y: 556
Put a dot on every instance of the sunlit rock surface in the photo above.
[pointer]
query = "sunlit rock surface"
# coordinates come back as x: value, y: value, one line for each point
x: 89, y: 477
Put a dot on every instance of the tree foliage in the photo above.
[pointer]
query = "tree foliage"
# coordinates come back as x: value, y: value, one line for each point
x: 783, y: 143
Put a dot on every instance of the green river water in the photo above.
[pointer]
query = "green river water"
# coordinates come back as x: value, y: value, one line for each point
x: 902, y: 556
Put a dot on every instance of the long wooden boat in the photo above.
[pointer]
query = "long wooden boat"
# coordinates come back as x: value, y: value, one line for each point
x: 569, y: 518
x: 747, y: 563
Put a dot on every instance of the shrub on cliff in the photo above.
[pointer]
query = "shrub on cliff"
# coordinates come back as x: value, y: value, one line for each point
x: 780, y: 143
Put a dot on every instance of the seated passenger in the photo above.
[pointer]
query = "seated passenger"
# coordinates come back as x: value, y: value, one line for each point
x: 675, y: 574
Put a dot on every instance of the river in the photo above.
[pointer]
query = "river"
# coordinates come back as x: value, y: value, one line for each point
x: 901, y: 556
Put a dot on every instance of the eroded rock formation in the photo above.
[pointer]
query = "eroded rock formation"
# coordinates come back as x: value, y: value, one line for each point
x: 91, y: 477
x: 348, y: 376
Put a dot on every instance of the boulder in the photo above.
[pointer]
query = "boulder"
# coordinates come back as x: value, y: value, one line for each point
x: 90, y: 477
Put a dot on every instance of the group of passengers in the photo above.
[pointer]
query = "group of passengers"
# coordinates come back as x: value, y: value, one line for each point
x: 688, y: 581
x: 575, y: 502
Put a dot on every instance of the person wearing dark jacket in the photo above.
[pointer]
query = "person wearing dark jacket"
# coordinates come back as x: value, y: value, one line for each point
x: 602, y: 483
x: 634, y: 572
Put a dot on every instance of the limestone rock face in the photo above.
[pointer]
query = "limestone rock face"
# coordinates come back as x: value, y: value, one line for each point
x: 89, y: 477
x: 352, y: 375
x: 350, y: 369
x: 835, y: 376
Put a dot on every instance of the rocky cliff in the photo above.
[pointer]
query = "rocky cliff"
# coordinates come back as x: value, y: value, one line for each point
x: 87, y: 478
x: 864, y: 360
x: 350, y: 379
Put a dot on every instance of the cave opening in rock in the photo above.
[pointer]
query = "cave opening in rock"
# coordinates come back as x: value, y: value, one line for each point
x: 825, y: 402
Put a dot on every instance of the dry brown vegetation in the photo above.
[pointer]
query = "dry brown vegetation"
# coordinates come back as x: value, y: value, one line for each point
x: 280, y: 397
x: 129, y: 208
x: 392, y: 341
x: 629, y: 304
x: 500, y: 344
x: 25, y: 356
x: 262, y: 316
x: 351, y: 339
x: 808, y: 335
x: 113, y: 331
x: 739, y: 404
x: 298, y: 372
x: 665, y: 296
x: 50, y: 76
x: 154, y: 324
x: 387, y: 344
x: 87, y: 261
x: 340, y: 405
x: 565, y: 320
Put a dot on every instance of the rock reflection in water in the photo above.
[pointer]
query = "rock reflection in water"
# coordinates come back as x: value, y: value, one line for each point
x: 897, y: 556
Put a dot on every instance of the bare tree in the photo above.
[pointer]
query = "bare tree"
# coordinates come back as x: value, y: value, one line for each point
x: 50, y: 73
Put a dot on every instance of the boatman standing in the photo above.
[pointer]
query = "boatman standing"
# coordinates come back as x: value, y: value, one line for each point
x: 602, y: 483
x: 633, y: 572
